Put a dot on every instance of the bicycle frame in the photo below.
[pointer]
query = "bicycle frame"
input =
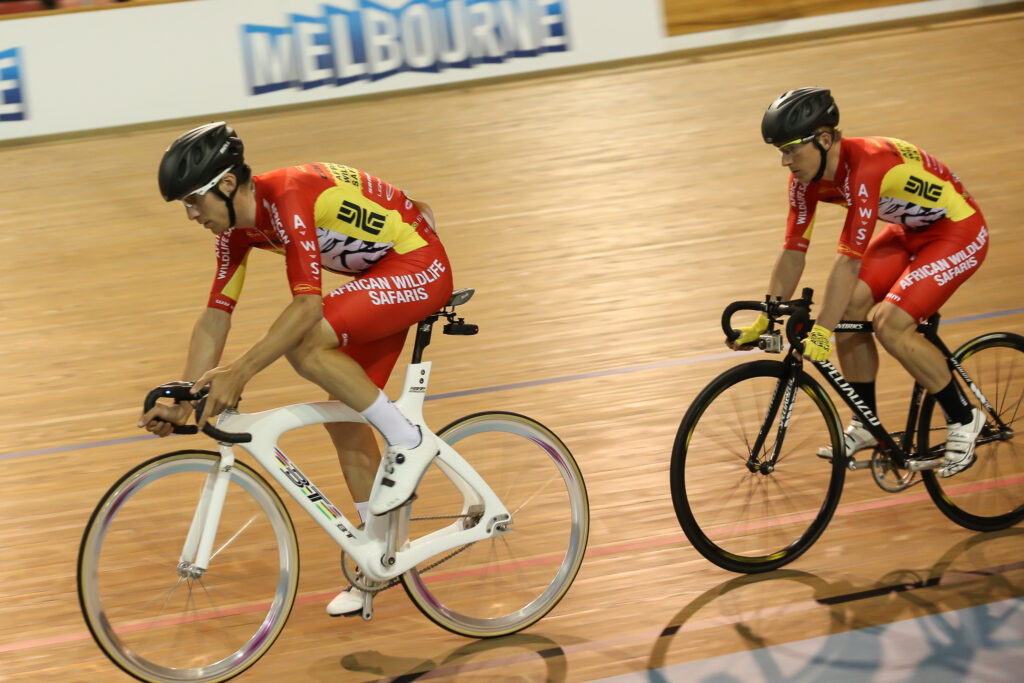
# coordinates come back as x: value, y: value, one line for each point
x: 382, y: 549
x: 903, y: 453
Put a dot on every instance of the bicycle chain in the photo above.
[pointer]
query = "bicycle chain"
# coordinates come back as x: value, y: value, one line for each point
x: 357, y: 579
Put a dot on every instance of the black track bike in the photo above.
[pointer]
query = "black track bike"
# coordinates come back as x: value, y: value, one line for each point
x: 748, y: 486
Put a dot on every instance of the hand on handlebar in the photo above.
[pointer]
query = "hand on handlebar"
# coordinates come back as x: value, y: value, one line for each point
x: 749, y: 335
x: 818, y: 344
x: 161, y: 418
x: 226, y: 384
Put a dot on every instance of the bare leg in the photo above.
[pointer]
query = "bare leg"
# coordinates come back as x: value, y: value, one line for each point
x: 897, y: 331
x: 358, y: 454
x: 858, y: 355
x: 318, y: 359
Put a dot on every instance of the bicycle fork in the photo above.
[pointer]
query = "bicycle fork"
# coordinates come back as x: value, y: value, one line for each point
x: 198, y: 549
x: 782, y: 398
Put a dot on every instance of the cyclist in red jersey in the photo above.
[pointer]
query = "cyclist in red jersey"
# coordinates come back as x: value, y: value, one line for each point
x: 934, y: 238
x: 318, y: 216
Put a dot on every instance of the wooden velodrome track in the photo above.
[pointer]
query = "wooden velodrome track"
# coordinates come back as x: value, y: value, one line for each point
x: 605, y: 218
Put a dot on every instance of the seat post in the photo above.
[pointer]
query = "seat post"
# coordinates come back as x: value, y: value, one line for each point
x: 423, y: 332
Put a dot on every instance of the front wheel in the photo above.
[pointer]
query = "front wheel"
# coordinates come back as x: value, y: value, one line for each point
x: 739, y: 509
x: 150, y: 615
x: 503, y: 584
x: 989, y: 495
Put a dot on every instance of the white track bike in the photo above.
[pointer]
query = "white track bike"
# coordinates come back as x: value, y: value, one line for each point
x: 189, y: 565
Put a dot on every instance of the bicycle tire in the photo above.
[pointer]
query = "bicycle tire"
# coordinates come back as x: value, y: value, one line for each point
x: 128, y: 566
x: 504, y: 584
x: 989, y: 495
x: 709, y: 471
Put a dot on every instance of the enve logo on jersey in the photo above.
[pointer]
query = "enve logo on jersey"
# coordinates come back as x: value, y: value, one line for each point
x: 364, y: 40
x: 361, y: 217
x: 12, y: 94
x: 922, y: 188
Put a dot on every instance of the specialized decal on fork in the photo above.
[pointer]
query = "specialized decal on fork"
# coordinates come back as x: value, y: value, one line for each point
x: 787, y: 403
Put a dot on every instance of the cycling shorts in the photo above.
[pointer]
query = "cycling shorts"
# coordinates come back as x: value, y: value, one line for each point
x: 372, y: 314
x: 919, y: 271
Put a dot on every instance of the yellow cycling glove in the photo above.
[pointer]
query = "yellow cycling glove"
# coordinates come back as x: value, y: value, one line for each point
x: 818, y: 344
x: 749, y: 335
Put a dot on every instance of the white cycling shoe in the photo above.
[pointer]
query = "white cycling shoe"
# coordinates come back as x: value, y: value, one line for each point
x: 400, y: 471
x: 346, y: 603
x: 960, y: 440
x: 856, y: 438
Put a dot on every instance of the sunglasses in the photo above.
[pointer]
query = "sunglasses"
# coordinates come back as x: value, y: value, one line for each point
x: 798, y: 141
x: 193, y: 197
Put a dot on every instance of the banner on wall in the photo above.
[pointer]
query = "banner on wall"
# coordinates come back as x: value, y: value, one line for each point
x: 12, y: 90
x: 367, y: 42
x: 134, y: 64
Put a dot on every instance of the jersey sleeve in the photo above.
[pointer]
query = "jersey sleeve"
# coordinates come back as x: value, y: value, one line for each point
x: 232, y: 255
x: 803, y: 201
x: 293, y: 219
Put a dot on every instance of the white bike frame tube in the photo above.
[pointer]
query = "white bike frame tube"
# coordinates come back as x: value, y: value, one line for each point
x: 188, y: 552
x: 214, y: 504
x: 366, y: 547
x: 266, y: 427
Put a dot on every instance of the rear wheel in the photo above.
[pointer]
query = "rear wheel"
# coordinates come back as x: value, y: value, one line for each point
x: 503, y: 584
x: 989, y: 495
x: 738, y: 510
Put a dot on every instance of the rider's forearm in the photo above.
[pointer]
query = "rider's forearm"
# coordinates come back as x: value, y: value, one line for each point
x: 786, y: 274
x: 207, y: 344
x: 838, y: 291
x: 304, y: 311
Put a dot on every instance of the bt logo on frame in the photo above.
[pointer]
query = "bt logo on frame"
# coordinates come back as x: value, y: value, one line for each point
x: 12, y: 94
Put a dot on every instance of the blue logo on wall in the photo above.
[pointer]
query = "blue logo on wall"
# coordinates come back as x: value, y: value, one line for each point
x: 364, y: 40
x: 12, y: 93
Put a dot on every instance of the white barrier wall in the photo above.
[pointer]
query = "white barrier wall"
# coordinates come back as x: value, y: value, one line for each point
x: 133, y: 64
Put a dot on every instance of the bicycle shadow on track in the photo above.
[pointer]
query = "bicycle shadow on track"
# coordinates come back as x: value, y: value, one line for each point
x: 846, y: 623
x: 549, y: 661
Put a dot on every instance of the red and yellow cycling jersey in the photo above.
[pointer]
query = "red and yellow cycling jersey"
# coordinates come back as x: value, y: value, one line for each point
x: 319, y: 215
x: 878, y: 178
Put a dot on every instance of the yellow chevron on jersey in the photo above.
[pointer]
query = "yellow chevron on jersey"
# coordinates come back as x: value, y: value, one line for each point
x: 233, y: 288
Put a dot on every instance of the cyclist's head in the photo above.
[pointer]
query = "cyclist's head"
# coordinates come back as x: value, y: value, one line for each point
x: 195, y: 163
x: 797, y: 117
x: 798, y: 114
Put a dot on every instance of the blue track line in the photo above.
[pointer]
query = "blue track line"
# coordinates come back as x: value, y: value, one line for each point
x: 504, y: 387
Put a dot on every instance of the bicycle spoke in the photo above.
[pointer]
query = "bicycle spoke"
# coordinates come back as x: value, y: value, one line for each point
x: 988, y: 495
x: 159, y: 625
x: 503, y: 584
x: 753, y: 521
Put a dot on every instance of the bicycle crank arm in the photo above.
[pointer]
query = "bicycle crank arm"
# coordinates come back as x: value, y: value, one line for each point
x: 929, y: 464
x: 367, y: 612
x: 854, y: 465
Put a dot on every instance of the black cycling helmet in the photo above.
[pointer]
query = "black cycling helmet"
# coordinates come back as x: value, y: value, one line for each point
x: 196, y: 158
x: 796, y: 114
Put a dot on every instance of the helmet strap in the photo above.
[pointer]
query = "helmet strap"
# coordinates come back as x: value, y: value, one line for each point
x: 229, y: 200
x: 824, y: 160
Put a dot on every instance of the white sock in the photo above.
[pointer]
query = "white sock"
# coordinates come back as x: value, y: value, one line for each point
x: 391, y: 424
